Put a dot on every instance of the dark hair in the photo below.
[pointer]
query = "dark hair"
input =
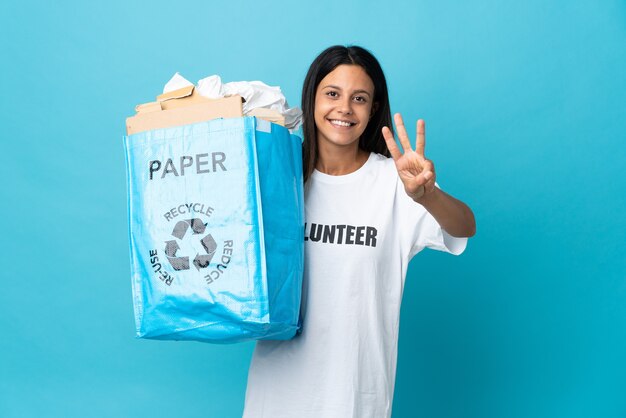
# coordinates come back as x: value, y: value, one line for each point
x: 327, y: 61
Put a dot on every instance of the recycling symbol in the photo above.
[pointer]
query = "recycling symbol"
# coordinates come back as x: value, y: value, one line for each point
x: 180, y: 230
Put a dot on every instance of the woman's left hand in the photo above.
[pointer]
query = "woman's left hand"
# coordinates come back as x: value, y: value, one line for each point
x: 416, y: 172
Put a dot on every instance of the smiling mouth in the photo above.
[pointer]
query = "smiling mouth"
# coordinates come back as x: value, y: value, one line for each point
x: 341, y: 123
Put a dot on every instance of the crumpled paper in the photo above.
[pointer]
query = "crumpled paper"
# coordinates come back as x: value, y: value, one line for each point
x: 256, y: 93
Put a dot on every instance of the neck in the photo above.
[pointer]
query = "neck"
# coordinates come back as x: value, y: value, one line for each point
x: 339, y: 161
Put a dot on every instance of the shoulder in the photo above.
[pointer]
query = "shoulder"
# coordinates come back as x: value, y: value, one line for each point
x: 384, y: 168
x: 382, y: 162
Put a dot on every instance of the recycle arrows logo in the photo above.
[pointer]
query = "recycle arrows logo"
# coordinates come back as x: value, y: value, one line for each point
x: 180, y: 230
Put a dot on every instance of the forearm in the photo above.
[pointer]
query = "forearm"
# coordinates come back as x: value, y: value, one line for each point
x: 453, y: 215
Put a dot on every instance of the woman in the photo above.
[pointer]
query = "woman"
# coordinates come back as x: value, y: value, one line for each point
x: 366, y: 216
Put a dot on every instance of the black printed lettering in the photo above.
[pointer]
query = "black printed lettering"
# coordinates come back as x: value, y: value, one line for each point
x: 340, y: 228
x: 329, y: 233
x: 183, y: 159
x: 218, y: 161
x: 169, y: 168
x: 360, y: 231
x: 155, y: 165
x: 334, y: 234
x: 316, y: 232
x: 370, y: 239
x: 350, y: 234
x: 200, y: 163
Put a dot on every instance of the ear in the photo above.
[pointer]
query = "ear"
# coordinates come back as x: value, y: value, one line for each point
x: 374, y: 109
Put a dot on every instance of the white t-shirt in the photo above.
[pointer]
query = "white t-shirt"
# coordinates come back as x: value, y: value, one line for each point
x: 361, y: 231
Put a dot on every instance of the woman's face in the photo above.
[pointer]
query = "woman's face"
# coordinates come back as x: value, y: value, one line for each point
x: 343, y: 105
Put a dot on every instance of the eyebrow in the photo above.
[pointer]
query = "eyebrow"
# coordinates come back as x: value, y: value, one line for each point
x: 356, y: 91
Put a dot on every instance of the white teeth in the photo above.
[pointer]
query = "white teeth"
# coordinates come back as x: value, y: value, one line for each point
x: 340, y: 123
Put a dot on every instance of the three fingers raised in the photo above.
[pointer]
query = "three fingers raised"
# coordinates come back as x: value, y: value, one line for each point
x: 420, y: 142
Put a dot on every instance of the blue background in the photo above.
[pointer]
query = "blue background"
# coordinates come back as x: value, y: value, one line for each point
x: 525, y: 106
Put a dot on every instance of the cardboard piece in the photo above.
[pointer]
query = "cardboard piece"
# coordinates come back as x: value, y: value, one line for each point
x: 268, y: 114
x: 185, y: 106
x: 181, y: 98
x: 182, y: 107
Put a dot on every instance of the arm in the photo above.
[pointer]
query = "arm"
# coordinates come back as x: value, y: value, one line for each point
x: 453, y: 215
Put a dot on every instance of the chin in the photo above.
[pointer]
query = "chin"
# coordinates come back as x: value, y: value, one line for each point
x: 342, y: 142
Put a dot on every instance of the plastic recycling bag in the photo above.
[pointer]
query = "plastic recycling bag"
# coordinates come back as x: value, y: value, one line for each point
x: 216, y: 227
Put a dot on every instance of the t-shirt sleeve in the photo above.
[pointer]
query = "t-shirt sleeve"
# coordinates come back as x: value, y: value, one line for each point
x: 420, y: 230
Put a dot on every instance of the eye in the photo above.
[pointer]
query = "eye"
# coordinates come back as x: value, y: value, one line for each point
x: 332, y: 93
x: 360, y: 99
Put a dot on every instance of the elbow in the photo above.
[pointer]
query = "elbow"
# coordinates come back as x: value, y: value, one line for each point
x: 468, y: 228
x: 466, y: 231
x: 471, y: 224
x: 472, y: 231
x: 464, y: 227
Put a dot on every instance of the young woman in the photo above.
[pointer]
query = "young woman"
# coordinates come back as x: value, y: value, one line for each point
x: 366, y: 216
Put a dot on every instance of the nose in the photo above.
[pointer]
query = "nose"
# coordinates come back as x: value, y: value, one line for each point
x: 345, y: 106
